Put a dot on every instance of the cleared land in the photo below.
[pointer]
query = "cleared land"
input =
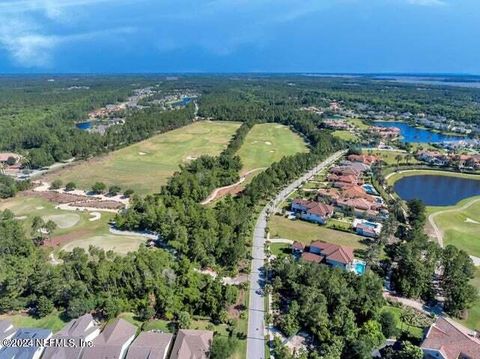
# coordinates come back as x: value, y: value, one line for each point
x: 147, y: 165
x: 460, y: 224
x: 305, y: 232
x: 345, y: 135
x: 75, y: 229
x: 268, y: 143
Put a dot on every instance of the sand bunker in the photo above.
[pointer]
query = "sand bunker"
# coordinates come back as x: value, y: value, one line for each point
x: 63, y: 220
x: 19, y: 218
x: 190, y: 158
x: 272, y: 151
x: 39, y: 208
x: 95, y: 216
x: 142, y: 153
x: 469, y: 220
x: 268, y: 143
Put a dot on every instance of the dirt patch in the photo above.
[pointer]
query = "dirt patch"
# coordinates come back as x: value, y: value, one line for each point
x: 57, y: 241
x: 190, y: 158
x: 20, y: 218
x: 236, y: 309
x: 57, y: 197
x: 76, y: 200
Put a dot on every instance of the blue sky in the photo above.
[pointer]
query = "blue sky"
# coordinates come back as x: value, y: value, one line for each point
x: 240, y: 36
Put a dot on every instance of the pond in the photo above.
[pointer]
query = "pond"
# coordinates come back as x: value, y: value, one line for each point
x: 84, y: 125
x: 419, y: 135
x: 436, y: 190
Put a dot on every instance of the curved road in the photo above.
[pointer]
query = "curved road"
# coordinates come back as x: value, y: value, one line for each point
x: 256, y: 306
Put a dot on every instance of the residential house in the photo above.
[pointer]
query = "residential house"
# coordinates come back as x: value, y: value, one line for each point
x: 329, y: 194
x: 297, y: 247
x: 113, y: 341
x: 192, y: 344
x: 7, y: 331
x: 312, y: 211
x: 26, y: 352
x: 367, y: 228
x: 150, y: 345
x: 79, y: 330
x: 341, y: 181
x: 445, y: 340
x: 365, y: 159
x: 335, y: 255
x: 311, y: 257
x: 433, y: 157
x: 6, y: 156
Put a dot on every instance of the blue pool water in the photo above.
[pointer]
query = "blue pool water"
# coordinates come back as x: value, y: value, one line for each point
x: 84, y: 125
x: 419, y: 135
x: 369, y: 189
x: 359, y: 268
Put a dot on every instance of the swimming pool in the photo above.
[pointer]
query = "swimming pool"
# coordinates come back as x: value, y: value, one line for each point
x: 369, y: 189
x: 359, y: 267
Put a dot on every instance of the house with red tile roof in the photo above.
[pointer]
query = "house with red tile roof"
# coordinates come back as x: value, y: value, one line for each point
x: 311, y: 257
x: 366, y: 159
x: 312, y: 211
x: 298, y: 247
x: 335, y: 255
x: 447, y: 340
x: 328, y: 194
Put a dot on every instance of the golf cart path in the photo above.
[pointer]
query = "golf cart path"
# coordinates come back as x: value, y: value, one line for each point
x: 438, y: 232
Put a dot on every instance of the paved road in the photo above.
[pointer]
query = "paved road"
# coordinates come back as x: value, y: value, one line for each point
x: 256, y: 308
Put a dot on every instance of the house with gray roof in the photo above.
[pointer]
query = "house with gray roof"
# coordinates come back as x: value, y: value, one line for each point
x: 192, y: 344
x: 28, y: 352
x: 7, y: 331
x: 113, y: 341
x: 149, y: 345
x: 82, y: 329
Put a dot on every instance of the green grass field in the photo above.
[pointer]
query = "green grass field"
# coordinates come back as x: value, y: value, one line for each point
x: 389, y: 157
x: 305, y: 232
x: 147, y: 165
x: 414, y: 331
x: 268, y: 143
x: 357, y: 122
x: 52, y: 321
x: 460, y: 224
x: 473, y: 319
x: 345, y: 135
x: 73, y: 226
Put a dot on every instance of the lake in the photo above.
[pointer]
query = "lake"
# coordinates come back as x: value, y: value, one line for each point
x: 435, y: 190
x: 419, y: 135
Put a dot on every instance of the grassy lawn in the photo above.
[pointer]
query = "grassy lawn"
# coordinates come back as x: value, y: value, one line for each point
x: 146, y: 165
x: 305, y: 232
x: 389, y: 157
x: 473, y: 319
x: 358, y: 123
x: 345, y: 135
x: 279, y: 248
x: 74, y: 227
x: 268, y: 143
x: 52, y: 321
x: 414, y: 331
